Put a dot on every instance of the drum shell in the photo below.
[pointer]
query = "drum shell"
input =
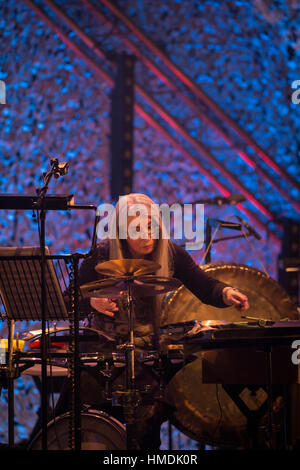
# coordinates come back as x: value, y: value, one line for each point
x: 99, y: 431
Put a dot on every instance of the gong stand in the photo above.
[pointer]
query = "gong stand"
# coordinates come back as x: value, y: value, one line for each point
x: 253, y: 417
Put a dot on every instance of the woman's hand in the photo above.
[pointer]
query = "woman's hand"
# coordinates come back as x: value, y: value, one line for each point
x: 104, y: 305
x: 234, y: 297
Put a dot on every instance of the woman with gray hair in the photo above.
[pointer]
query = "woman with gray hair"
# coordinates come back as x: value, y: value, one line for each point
x: 143, y: 236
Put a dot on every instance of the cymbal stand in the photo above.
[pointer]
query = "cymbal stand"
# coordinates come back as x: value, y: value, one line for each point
x: 130, y: 394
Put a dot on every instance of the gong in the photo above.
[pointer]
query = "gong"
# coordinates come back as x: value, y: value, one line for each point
x: 205, y: 412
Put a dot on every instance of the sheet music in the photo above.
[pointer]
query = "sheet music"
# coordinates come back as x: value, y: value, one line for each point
x: 20, y: 285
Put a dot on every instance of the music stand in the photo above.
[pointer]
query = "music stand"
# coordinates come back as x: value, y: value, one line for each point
x: 20, y: 285
x: 20, y: 291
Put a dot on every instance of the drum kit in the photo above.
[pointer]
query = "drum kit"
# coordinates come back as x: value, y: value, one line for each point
x: 205, y: 412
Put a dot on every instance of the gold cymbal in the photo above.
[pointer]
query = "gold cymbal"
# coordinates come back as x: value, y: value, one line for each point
x: 102, y: 288
x: 127, y: 267
x: 143, y: 286
x: 153, y: 285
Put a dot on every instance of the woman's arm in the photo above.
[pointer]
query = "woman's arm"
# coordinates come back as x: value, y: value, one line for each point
x: 209, y: 290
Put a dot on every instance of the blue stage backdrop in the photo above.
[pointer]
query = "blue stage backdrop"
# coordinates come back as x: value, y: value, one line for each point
x: 242, y: 54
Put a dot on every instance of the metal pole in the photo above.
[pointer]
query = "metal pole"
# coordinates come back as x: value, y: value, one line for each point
x: 207, y: 241
x: 77, y: 415
x: 269, y: 392
x: 11, y: 411
x: 44, y: 390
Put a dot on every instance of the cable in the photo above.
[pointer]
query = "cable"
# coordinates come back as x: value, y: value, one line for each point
x: 255, y: 252
x: 221, y: 412
x: 209, y: 245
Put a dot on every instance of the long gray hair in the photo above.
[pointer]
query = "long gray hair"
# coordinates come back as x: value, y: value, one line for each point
x: 160, y: 253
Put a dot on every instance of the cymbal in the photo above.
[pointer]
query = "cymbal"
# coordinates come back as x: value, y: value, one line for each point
x: 103, y: 288
x: 127, y: 267
x: 153, y: 285
x: 143, y: 286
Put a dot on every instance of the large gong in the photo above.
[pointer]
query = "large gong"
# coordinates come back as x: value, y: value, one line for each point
x: 205, y: 412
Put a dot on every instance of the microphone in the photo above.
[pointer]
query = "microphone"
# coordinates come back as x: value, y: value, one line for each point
x: 60, y: 169
x: 231, y: 200
x: 249, y: 228
x: 236, y: 199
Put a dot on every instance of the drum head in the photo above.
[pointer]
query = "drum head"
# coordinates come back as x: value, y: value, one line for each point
x: 99, y: 432
x: 205, y: 412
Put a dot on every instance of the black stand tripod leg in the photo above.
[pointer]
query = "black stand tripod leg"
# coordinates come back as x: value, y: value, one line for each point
x: 11, y: 413
x: 74, y: 367
x: 44, y: 392
x: 11, y: 406
x: 77, y: 415
x: 269, y: 392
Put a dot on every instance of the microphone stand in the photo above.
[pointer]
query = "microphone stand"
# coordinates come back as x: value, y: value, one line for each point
x: 231, y: 225
x: 57, y: 169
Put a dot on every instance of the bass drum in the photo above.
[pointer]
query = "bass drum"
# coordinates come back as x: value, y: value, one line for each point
x: 100, y: 431
x: 205, y: 412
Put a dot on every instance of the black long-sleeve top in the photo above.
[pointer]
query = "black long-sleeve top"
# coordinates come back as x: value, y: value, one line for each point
x: 206, y: 288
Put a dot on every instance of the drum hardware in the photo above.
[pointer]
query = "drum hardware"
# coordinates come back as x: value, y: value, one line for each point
x: 164, y: 364
x: 129, y: 276
x: 132, y: 277
x: 110, y: 369
x: 107, y: 374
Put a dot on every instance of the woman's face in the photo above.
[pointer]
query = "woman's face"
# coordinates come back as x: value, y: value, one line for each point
x: 144, y: 245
